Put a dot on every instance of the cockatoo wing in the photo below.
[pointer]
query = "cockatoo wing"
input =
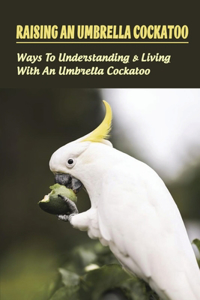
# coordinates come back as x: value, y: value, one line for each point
x: 143, y: 227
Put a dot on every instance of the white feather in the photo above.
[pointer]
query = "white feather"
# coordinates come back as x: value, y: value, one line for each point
x: 133, y: 212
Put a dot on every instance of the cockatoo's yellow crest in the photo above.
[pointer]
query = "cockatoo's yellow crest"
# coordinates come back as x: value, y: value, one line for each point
x: 102, y: 131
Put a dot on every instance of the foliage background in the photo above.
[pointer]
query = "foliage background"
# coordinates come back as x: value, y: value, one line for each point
x: 34, y: 123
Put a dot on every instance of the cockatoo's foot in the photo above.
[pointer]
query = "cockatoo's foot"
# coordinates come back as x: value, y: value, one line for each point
x: 71, y: 208
x: 64, y: 218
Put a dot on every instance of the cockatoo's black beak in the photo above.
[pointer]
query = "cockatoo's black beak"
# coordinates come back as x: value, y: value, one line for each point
x: 69, y: 181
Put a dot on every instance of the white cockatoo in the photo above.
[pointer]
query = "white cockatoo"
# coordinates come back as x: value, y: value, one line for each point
x: 131, y: 211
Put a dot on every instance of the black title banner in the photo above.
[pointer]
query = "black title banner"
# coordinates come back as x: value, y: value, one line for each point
x: 76, y: 55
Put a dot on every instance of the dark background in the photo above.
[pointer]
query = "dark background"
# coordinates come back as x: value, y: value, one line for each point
x: 34, y: 123
x: 182, y: 72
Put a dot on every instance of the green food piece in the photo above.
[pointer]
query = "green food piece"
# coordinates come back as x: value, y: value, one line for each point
x: 56, y: 205
x: 58, y: 189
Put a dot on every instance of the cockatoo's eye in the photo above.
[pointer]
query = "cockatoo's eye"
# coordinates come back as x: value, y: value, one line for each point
x: 70, y: 163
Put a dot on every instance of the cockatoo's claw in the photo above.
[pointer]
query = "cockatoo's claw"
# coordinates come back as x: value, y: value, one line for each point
x: 64, y: 218
x: 71, y: 208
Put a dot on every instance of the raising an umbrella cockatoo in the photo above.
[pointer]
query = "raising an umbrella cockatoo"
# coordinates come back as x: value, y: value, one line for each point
x: 131, y: 211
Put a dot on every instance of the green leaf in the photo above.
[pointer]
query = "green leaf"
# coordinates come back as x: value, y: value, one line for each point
x: 84, y: 256
x: 196, y: 242
x: 103, y: 279
x: 66, y: 293
x: 104, y: 255
x: 79, y: 258
x: 47, y: 290
x: 69, y: 278
x: 96, y: 284
x: 137, y: 289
